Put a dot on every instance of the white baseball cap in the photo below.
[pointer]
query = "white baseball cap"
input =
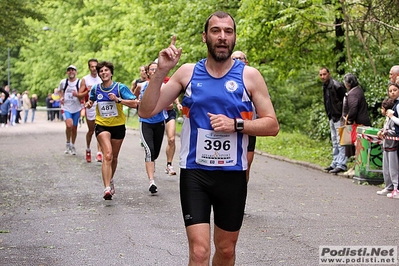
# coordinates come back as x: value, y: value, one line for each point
x: 73, y: 67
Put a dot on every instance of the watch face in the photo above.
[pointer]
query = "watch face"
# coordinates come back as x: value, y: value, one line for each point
x: 240, y: 124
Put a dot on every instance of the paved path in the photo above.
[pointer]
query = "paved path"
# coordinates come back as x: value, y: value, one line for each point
x: 52, y: 211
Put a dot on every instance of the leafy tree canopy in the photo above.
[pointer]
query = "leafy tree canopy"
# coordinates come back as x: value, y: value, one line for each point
x: 288, y: 41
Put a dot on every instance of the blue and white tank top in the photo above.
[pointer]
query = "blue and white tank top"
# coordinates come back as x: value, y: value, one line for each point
x: 201, y: 147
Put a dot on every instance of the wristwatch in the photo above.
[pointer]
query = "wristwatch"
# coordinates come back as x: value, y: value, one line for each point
x: 238, y: 124
x: 119, y: 100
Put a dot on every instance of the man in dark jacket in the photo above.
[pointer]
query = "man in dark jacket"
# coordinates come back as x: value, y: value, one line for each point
x: 334, y: 93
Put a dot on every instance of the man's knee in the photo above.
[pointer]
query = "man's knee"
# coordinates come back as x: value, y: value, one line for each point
x: 199, y: 254
x: 226, y: 252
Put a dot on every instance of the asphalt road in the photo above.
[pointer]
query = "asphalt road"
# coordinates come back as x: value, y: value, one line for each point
x: 52, y: 211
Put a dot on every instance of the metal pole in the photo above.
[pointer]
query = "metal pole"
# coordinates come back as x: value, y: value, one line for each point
x: 8, y: 74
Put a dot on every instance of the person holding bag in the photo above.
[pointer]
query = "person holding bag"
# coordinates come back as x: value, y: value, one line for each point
x: 347, y: 133
x: 355, y: 108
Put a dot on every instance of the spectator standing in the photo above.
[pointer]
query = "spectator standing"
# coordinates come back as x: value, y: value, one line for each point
x: 14, y: 107
x: 19, y: 108
x: 56, y: 104
x: 217, y: 112
x: 334, y: 93
x: 5, y: 109
x: 7, y: 95
x: 33, y: 106
x: 393, y: 93
x: 6, y: 92
x: 26, y: 105
x: 394, y: 74
x: 355, y: 108
x: 49, y: 106
x: 390, y: 164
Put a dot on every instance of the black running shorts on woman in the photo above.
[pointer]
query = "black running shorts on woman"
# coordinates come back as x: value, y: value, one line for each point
x: 171, y: 115
x: 226, y: 191
x: 117, y: 132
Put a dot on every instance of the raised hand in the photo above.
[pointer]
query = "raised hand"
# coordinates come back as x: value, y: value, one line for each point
x: 169, y: 57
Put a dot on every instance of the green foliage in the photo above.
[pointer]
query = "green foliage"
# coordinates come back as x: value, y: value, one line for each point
x: 318, y: 124
x: 14, y: 29
x: 288, y: 41
x: 12, y: 20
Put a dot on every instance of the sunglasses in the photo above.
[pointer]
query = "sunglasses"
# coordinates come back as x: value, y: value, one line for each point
x: 240, y: 58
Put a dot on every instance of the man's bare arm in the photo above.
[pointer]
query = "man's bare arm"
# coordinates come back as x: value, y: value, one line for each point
x: 152, y: 102
x: 266, y: 124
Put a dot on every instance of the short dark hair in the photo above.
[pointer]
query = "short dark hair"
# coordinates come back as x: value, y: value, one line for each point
x: 219, y: 14
x: 92, y: 60
x: 388, y: 103
x: 328, y: 71
x: 105, y: 64
x: 147, y: 67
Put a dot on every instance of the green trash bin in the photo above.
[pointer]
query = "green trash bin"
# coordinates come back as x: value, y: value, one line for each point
x: 368, y: 156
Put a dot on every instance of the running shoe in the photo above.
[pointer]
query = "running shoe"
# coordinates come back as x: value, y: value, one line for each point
x: 169, y: 170
x: 99, y: 157
x: 153, y: 188
x: 73, y: 150
x: 394, y: 194
x: 112, y: 186
x: 68, y: 149
x: 384, y: 192
x: 107, y: 193
x: 88, y: 155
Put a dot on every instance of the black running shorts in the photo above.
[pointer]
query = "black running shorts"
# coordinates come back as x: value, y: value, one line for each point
x: 117, y: 132
x: 226, y: 191
x: 171, y: 115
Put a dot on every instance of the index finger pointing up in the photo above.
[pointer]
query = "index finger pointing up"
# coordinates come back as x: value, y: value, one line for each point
x: 172, y: 43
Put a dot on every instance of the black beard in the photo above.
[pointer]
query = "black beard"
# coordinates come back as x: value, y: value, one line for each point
x: 219, y: 57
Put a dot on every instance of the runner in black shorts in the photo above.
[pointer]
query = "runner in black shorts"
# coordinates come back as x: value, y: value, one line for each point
x: 238, y: 55
x: 117, y: 132
x: 171, y: 115
x: 226, y: 191
x: 170, y: 128
x: 152, y: 137
x: 152, y: 131
x: 110, y: 120
x: 217, y: 119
